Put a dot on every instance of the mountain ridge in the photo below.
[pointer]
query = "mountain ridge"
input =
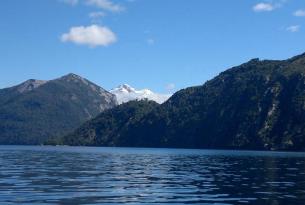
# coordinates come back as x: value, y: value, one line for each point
x: 50, y: 109
x: 258, y: 105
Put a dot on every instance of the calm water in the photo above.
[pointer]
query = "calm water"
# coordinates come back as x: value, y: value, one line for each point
x: 74, y: 175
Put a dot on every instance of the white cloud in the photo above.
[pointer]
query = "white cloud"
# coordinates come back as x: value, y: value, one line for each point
x: 92, y: 36
x: 299, y: 13
x: 97, y: 14
x: 260, y: 7
x: 106, y: 5
x: 294, y: 28
x: 70, y: 2
x: 269, y: 5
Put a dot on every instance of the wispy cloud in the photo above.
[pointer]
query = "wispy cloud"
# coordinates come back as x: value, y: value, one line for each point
x: 97, y: 14
x: 261, y: 7
x: 170, y: 87
x: 91, y: 36
x: 150, y: 41
x: 299, y: 13
x: 294, y: 28
x: 269, y: 5
x: 106, y: 5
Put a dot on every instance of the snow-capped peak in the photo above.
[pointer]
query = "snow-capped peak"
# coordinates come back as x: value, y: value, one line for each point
x: 125, y: 88
x: 125, y: 93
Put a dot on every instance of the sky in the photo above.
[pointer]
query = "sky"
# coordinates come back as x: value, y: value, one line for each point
x: 163, y: 45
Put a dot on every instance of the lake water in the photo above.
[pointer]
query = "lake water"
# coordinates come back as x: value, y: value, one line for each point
x: 82, y: 175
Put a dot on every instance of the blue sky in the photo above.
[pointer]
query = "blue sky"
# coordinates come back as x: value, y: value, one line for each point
x: 156, y: 44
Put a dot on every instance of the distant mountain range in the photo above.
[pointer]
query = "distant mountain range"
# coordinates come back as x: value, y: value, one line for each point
x: 34, y: 111
x: 257, y: 105
x: 125, y: 93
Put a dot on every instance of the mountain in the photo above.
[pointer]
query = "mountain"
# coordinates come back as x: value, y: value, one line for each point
x: 106, y: 128
x: 35, y: 110
x: 9, y: 93
x: 258, y: 105
x: 125, y: 93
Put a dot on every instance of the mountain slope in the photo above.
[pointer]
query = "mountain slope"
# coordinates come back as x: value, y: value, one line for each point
x: 8, y: 93
x: 35, y: 110
x: 257, y: 105
x: 104, y: 129
x: 125, y: 93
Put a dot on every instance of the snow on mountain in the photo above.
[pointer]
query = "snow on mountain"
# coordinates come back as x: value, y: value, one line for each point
x: 125, y: 93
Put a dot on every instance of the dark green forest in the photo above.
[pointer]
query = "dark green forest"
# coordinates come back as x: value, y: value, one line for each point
x: 258, y: 105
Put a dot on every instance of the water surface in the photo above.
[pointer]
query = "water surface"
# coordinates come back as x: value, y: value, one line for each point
x: 82, y: 175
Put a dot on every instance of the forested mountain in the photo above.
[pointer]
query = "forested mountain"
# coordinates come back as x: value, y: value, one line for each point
x: 257, y: 105
x: 111, y: 127
x: 35, y: 110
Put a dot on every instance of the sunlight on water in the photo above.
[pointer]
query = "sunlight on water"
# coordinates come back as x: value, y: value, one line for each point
x: 74, y: 175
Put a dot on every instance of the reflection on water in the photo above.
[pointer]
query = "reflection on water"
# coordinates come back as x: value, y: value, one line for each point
x: 66, y: 175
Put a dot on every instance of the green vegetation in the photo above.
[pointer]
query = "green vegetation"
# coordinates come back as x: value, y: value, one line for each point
x: 108, y: 128
x: 53, y: 109
x: 257, y: 105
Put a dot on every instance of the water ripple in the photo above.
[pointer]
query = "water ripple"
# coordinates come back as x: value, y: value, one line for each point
x: 65, y: 175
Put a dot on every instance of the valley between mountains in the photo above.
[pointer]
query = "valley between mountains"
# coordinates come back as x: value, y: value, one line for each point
x: 258, y: 105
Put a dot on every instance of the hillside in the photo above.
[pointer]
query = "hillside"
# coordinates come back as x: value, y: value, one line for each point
x: 257, y: 105
x: 34, y: 111
x: 110, y: 128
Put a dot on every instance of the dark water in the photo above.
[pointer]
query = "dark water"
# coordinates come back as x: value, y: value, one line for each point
x: 66, y: 175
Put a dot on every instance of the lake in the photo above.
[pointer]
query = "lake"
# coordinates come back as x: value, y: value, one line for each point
x: 89, y: 175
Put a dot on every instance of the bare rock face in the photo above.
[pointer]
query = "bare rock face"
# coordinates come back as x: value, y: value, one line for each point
x: 30, y: 85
